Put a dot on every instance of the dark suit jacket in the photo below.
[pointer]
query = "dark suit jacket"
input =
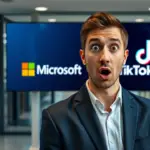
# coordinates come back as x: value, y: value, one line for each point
x: 72, y: 124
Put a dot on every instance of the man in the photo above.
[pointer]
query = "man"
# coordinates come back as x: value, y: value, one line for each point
x: 102, y: 115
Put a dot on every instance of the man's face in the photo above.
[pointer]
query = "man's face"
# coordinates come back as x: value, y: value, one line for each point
x: 104, y: 56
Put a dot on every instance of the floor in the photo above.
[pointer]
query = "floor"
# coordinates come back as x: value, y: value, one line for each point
x: 15, y: 142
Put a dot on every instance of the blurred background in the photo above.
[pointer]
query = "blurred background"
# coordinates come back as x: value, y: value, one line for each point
x: 15, y: 107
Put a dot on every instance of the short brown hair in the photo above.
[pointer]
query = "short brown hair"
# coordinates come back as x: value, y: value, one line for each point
x: 101, y: 20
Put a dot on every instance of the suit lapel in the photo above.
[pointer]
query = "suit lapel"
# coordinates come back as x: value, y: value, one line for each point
x: 89, y: 118
x: 130, y: 111
x: 91, y: 123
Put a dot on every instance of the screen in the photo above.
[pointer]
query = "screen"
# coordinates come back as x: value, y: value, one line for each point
x: 45, y: 56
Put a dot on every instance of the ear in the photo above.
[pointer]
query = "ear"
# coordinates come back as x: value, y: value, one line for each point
x: 82, y: 55
x: 126, y: 54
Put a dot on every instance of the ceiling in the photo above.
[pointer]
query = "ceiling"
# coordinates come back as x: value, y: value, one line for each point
x: 73, y: 6
x: 76, y: 10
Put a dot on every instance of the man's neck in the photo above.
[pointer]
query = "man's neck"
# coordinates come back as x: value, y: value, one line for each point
x: 106, y: 96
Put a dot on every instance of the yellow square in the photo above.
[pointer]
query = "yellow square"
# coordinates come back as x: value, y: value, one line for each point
x: 32, y: 72
x: 24, y: 72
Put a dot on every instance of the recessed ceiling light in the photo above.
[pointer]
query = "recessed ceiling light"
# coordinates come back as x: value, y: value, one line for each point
x: 41, y: 8
x: 52, y: 20
x: 149, y: 8
x: 139, y: 20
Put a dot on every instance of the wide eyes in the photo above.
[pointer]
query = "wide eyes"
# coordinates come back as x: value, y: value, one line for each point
x: 114, y: 48
x: 98, y: 47
x: 95, y: 47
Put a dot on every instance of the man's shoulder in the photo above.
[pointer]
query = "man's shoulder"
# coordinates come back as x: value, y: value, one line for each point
x: 62, y: 106
x: 141, y: 100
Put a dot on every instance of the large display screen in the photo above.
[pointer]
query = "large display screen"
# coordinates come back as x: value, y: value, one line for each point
x: 45, y: 56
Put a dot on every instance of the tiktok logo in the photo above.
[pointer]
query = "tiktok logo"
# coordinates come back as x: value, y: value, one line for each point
x: 141, y: 52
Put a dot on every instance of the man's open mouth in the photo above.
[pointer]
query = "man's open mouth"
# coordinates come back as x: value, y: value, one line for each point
x: 105, y: 71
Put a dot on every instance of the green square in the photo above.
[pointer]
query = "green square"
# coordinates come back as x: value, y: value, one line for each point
x: 31, y: 65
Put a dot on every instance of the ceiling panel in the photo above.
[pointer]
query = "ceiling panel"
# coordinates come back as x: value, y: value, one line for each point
x: 27, y: 6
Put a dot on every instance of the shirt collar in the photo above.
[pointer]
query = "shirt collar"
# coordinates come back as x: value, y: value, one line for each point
x: 95, y: 100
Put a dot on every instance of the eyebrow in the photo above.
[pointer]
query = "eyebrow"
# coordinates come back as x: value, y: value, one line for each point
x: 110, y: 39
x: 115, y: 40
x: 94, y: 40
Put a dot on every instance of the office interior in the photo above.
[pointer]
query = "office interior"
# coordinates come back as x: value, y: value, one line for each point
x: 15, y: 107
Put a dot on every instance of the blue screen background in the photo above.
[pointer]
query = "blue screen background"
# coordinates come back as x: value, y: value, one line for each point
x: 58, y: 44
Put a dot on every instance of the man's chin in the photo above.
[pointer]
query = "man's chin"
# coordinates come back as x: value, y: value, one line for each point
x: 105, y: 84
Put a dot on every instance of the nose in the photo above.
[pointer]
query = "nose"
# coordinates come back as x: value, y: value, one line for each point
x: 104, y: 56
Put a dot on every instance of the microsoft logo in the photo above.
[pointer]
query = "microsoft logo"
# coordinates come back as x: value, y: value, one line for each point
x: 28, y: 69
